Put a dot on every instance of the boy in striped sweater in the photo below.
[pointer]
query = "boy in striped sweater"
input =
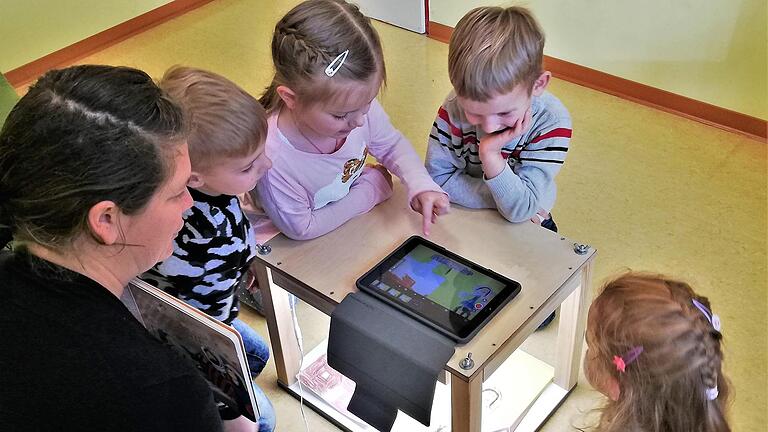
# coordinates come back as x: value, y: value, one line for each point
x: 499, y: 138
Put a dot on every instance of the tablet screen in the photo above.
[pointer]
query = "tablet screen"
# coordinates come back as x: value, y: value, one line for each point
x: 446, y: 282
x: 439, y: 287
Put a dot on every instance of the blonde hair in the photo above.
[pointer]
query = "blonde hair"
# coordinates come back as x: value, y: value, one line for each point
x: 665, y: 388
x: 494, y: 49
x: 308, y: 38
x: 226, y: 120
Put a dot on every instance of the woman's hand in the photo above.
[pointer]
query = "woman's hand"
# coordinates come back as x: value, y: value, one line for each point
x: 431, y: 205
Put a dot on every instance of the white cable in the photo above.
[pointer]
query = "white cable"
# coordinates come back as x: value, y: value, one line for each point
x: 300, y: 341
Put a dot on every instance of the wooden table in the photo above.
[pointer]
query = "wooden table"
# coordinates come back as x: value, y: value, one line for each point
x: 321, y: 272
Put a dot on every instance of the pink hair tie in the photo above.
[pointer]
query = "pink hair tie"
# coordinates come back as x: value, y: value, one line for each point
x: 630, y: 356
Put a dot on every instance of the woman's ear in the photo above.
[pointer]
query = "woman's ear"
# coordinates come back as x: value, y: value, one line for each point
x: 541, y: 83
x: 103, y: 222
x: 287, y: 95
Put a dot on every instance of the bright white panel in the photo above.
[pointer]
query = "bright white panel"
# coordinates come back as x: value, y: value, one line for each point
x: 408, y: 14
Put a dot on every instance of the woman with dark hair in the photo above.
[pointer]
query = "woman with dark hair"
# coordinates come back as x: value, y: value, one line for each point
x: 93, y: 175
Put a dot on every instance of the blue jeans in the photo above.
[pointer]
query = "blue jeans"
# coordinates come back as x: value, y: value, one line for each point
x: 256, y: 348
x: 267, y: 419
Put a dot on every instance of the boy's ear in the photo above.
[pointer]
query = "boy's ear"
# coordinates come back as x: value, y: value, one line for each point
x: 287, y: 95
x: 541, y: 83
x: 195, y: 180
x: 103, y: 222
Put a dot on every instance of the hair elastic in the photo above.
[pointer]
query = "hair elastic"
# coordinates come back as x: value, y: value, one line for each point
x: 630, y: 356
x: 712, y: 393
x: 336, y: 64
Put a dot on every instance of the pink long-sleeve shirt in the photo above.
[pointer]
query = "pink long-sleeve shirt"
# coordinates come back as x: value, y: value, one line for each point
x: 307, y: 195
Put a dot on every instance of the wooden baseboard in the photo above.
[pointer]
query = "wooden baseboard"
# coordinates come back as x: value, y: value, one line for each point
x: 70, y: 54
x: 439, y: 31
x: 703, y: 112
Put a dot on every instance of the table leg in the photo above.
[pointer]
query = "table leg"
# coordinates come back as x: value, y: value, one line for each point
x: 277, y: 310
x: 466, y: 403
x: 570, y: 333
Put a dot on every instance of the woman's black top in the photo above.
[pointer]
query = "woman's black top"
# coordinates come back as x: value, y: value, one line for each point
x: 73, y: 358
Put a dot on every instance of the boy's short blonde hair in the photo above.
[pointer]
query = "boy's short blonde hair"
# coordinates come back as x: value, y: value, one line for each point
x: 492, y: 50
x: 226, y: 120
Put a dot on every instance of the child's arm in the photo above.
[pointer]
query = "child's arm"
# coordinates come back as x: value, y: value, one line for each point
x: 448, y: 169
x: 289, y: 207
x: 392, y: 149
x: 518, y: 194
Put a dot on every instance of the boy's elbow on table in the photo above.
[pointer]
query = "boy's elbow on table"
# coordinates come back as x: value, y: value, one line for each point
x: 518, y: 214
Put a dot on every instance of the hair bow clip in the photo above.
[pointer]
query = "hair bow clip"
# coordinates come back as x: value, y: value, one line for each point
x: 630, y: 356
x: 336, y: 64
x: 713, y: 319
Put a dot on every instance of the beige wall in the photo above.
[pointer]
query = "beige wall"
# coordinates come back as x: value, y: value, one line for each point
x: 30, y: 29
x: 714, y: 51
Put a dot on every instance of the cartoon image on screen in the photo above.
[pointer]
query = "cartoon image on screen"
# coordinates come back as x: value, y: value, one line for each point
x: 446, y: 282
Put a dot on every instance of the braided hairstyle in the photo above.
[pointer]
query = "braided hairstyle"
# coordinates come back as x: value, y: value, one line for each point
x: 79, y: 136
x: 308, y: 38
x: 665, y: 388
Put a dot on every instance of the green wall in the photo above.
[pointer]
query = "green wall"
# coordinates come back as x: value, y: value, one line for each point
x: 30, y: 29
x: 714, y: 51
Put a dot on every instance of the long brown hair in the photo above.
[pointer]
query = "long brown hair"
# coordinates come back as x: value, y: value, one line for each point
x: 665, y: 388
x: 309, y: 37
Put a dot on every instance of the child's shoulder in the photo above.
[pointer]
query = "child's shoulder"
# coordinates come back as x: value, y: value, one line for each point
x: 550, y: 119
x: 451, y: 102
x: 549, y: 108
x: 210, y: 215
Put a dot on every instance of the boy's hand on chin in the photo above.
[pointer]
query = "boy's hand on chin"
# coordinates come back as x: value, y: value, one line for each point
x: 490, y: 145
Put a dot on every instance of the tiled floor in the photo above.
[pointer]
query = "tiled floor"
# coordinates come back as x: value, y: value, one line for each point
x: 650, y: 190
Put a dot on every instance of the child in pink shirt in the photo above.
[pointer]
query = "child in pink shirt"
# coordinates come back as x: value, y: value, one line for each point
x: 324, y: 120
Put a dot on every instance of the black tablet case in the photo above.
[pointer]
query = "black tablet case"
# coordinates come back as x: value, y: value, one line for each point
x: 393, y: 359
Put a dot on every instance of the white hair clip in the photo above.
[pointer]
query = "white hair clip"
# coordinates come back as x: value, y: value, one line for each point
x: 713, y: 319
x: 336, y: 64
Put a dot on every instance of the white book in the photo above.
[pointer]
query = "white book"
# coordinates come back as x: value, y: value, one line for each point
x: 215, y: 348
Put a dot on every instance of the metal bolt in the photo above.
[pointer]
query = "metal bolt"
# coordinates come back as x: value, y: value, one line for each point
x: 580, y: 249
x: 467, y: 363
x: 264, y: 249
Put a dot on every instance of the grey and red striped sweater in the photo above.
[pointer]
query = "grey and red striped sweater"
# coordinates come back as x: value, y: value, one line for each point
x: 534, y: 158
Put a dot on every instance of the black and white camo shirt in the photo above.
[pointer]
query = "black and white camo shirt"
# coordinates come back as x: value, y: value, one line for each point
x: 210, y: 255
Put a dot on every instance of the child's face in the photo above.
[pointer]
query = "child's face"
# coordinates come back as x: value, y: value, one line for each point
x: 499, y: 112
x: 503, y: 110
x: 337, y: 119
x: 232, y: 175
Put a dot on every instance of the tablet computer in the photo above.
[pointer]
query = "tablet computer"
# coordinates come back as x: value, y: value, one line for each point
x: 449, y: 293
